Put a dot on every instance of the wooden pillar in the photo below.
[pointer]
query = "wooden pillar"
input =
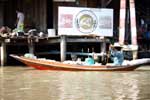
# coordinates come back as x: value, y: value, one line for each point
x: 122, y: 21
x: 31, y: 48
x: 63, y: 48
x: 103, y: 50
x: 103, y: 47
x: 133, y: 28
x: 133, y: 23
x: 3, y: 54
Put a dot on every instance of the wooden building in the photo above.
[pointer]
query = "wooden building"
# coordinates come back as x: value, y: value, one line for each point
x: 43, y: 14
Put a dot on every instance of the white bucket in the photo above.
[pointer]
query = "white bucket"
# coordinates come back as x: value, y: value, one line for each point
x: 51, y: 32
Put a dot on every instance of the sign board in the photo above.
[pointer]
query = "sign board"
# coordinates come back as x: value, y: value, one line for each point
x: 85, y: 21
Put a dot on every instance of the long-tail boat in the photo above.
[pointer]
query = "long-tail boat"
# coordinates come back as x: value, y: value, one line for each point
x: 44, y: 64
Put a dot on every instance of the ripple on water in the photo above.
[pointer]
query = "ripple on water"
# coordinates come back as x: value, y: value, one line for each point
x: 24, y: 83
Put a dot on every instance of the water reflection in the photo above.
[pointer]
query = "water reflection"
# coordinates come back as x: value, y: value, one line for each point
x: 1, y: 83
x: 22, y: 83
x: 126, y: 87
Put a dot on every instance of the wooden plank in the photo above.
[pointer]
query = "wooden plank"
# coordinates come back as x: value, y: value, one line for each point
x: 1, y: 14
x: 45, y: 15
x: 83, y: 3
x: 69, y: 53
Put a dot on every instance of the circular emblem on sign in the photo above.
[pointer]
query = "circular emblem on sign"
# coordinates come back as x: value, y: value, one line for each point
x: 86, y: 21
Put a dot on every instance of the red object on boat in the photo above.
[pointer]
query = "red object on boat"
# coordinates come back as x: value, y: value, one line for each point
x: 42, y: 64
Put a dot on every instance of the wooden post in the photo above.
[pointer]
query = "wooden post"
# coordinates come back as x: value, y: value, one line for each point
x: 103, y: 49
x: 103, y: 46
x: 30, y: 46
x: 3, y: 54
x: 133, y: 27
x: 133, y: 23
x: 122, y: 21
x: 63, y: 48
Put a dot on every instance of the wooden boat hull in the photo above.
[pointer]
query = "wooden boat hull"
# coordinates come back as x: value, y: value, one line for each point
x: 55, y: 65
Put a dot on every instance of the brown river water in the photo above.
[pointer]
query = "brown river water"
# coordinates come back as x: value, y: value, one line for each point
x: 25, y: 83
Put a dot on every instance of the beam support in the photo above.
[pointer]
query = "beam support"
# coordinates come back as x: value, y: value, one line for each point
x: 63, y: 44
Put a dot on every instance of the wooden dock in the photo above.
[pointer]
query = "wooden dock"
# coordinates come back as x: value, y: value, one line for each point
x: 62, y: 41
